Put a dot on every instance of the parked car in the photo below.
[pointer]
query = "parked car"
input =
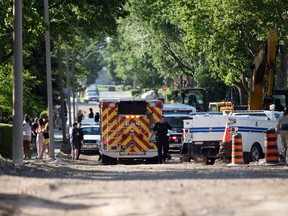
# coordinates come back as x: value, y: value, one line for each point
x: 88, y: 121
x: 92, y: 138
x: 111, y: 88
x: 92, y: 88
x: 91, y: 96
x: 175, y: 135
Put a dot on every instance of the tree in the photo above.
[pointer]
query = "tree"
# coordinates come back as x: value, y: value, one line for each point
x: 74, y: 20
x: 223, y: 35
x: 128, y: 60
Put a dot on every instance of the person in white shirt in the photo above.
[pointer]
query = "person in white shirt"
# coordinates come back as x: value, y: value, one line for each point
x: 27, y: 138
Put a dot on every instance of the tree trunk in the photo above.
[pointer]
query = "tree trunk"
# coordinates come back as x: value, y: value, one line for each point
x: 242, y: 94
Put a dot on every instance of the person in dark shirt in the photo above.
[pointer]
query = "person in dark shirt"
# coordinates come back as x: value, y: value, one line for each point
x: 91, y: 114
x: 97, y: 117
x: 79, y: 139
x: 80, y: 116
x: 74, y: 142
x: 161, y: 130
x: 278, y: 105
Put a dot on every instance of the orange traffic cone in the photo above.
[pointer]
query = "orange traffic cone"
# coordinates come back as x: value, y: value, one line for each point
x: 271, y: 148
x: 225, y: 148
x: 237, y: 151
x: 226, y: 137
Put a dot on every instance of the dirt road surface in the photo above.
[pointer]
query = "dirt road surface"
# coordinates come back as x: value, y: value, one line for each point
x: 86, y: 187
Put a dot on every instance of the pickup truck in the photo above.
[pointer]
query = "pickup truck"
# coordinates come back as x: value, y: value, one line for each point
x: 202, y: 134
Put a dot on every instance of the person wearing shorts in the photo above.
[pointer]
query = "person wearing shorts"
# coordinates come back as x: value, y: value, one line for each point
x: 27, y: 138
x: 45, y: 146
x: 74, y: 141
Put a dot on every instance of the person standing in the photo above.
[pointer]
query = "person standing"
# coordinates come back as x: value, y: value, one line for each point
x: 80, y: 116
x: 282, y: 126
x: 79, y: 139
x: 97, y: 117
x: 46, y: 141
x: 161, y: 130
x: 34, y: 127
x: 91, y: 114
x: 278, y: 105
x: 27, y: 132
x: 74, y: 142
x: 40, y: 137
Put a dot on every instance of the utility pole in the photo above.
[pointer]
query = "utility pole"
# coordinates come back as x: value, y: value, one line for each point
x: 17, y: 150
x: 62, y: 98
x: 49, y: 81
x: 73, y: 84
x: 68, y: 86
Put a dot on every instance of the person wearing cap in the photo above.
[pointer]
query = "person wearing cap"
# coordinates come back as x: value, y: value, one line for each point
x: 161, y: 130
x: 282, y: 126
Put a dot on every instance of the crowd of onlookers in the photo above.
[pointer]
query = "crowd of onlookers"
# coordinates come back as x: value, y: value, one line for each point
x: 35, y: 131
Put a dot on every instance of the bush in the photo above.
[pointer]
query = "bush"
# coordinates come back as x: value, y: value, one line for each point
x: 135, y: 92
x: 6, y: 140
x: 102, y: 87
x: 119, y: 87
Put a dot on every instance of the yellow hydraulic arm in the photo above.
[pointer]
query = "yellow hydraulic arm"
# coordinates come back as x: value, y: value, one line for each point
x: 263, y: 76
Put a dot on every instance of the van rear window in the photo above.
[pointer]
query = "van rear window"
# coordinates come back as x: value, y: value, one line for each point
x: 132, y: 108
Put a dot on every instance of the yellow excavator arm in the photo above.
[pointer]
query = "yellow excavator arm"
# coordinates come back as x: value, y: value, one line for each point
x: 263, y: 76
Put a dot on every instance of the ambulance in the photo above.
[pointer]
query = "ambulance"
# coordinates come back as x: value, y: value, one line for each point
x: 203, y: 134
x: 125, y: 128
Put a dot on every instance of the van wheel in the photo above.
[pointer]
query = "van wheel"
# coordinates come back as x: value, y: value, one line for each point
x: 185, y: 158
x: 153, y: 160
x: 255, y: 152
x: 210, y: 161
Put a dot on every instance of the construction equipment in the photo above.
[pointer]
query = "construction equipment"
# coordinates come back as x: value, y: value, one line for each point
x: 220, y: 106
x: 262, y: 90
x: 197, y: 97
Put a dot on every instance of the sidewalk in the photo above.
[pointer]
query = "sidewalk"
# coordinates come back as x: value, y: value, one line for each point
x: 59, y: 145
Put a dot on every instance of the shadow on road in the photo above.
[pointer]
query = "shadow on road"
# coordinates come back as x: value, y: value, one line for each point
x: 94, y: 170
x: 12, y: 203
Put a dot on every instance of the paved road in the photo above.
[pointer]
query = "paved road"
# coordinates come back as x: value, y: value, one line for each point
x: 84, y: 107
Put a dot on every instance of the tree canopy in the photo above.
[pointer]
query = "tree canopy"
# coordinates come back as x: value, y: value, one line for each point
x: 78, y: 23
x: 181, y: 37
x: 145, y: 43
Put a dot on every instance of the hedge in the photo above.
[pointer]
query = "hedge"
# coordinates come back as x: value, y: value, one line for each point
x: 6, y: 140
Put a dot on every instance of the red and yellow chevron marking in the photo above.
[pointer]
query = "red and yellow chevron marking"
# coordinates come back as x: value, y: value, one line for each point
x: 109, y: 123
x: 116, y: 131
x: 156, y: 110
x: 133, y: 133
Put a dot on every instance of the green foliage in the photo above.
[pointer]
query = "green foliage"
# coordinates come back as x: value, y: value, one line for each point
x: 182, y: 37
x: 6, y: 140
x: 135, y: 92
x: 76, y: 22
x: 31, y: 103
x: 127, y: 87
x: 127, y: 57
x: 216, y: 87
